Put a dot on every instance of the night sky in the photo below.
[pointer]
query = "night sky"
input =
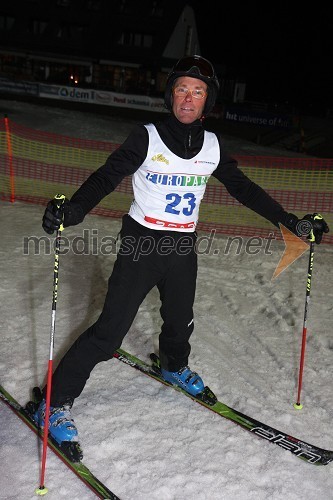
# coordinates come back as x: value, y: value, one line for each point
x: 283, y: 53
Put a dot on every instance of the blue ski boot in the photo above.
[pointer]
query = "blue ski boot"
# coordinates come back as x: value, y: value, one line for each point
x: 62, y: 430
x: 186, y: 379
x: 61, y: 424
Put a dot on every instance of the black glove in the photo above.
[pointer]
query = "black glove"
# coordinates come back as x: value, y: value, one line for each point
x: 66, y: 213
x: 313, y: 226
x: 53, y: 215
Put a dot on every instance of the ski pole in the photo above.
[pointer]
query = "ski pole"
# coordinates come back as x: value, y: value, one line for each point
x: 298, y: 405
x: 42, y: 490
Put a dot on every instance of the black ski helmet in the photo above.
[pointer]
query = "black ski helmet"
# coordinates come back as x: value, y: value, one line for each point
x: 196, y: 67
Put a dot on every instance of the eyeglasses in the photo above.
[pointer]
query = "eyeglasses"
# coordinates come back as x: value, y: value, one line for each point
x: 203, y: 67
x: 183, y: 91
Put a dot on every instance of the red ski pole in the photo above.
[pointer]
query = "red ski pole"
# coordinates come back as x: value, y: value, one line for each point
x: 42, y: 490
x: 298, y: 404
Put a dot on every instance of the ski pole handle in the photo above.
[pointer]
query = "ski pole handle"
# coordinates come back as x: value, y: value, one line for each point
x: 59, y: 200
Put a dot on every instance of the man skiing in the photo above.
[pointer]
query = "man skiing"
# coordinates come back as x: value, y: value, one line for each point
x: 171, y: 162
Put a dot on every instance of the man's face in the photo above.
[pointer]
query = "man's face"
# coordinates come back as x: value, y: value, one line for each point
x: 185, y: 107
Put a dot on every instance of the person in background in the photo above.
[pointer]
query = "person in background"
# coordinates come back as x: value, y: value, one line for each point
x: 170, y: 162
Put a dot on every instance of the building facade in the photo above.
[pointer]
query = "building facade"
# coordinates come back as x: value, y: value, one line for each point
x: 116, y: 45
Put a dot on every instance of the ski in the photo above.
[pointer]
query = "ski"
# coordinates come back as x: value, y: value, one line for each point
x: 301, y: 449
x: 82, y: 472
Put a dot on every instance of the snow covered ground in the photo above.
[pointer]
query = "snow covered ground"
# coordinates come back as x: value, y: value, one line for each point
x: 143, y: 440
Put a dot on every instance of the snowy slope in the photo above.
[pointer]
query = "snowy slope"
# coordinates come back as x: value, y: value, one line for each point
x: 146, y: 441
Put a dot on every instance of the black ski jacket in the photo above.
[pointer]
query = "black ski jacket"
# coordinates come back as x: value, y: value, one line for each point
x: 184, y: 140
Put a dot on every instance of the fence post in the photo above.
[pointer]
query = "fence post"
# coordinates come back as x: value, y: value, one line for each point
x: 10, y: 158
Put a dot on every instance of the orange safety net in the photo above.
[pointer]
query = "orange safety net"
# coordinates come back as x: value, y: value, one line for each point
x: 36, y: 165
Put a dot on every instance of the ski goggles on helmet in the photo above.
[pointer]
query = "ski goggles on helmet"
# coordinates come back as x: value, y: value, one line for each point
x: 196, y: 64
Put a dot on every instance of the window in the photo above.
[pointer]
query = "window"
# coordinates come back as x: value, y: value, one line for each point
x: 130, y: 39
x: 93, y: 5
x: 188, y: 40
x: 70, y: 32
x: 37, y: 27
x: 6, y: 22
x: 147, y: 41
x: 157, y: 10
x: 122, y: 7
x: 63, y: 3
x: 76, y: 32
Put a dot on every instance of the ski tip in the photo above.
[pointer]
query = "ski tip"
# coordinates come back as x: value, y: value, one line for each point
x: 298, y: 406
x: 42, y: 490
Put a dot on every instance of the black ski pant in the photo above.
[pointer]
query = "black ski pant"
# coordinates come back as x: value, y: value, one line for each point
x: 146, y: 258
